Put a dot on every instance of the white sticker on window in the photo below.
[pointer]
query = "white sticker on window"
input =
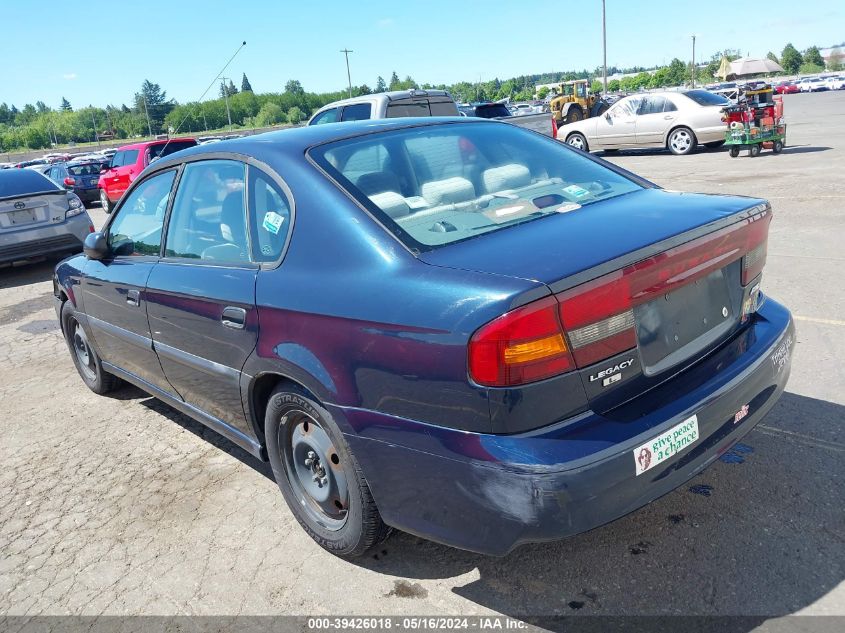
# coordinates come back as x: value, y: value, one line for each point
x: 576, y: 191
x: 273, y: 222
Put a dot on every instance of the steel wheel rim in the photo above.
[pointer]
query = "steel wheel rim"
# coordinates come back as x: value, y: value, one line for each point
x: 577, y: 142
x: 82, y: 349
x: 314, y: 470
x: 681, y: 141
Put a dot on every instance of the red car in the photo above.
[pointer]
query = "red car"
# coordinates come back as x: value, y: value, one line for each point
x: 786, y: 88
x: 128, y: 163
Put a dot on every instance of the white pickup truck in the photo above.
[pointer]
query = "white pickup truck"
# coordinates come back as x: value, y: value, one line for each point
x: 424, y: 103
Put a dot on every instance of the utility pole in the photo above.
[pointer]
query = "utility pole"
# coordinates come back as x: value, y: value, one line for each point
x: 604, y: 45
x: 346, y: 52
x: 693, y: 61
x: 226, y: 98
x: 96, y: 136
x: 147, y: 110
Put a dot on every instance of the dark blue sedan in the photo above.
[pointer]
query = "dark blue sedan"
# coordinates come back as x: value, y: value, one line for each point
x: 79, y: 176
x: 453, y: 327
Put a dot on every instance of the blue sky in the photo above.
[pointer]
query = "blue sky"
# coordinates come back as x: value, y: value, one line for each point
x: 182, y: 44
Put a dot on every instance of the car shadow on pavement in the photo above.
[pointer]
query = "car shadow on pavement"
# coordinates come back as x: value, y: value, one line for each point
x: 759, y: 533
x: 27, y: 273
x: 804, y: 149
x: 130, y: 392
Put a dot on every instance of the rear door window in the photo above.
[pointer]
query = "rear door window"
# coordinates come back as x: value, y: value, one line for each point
x: 269, y: 216
x: 356, y: 112
x: 130, y: 156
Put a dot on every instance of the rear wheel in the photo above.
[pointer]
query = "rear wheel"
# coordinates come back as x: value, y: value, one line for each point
x: 84, y: 357
x: 105, y: 203
x: 734, y: 151
x: 777, y: 147
x: 754, y: 150
x: 714, y: 144
x: 578, y: 141
x: 681, y: 141
x: 318, y: 475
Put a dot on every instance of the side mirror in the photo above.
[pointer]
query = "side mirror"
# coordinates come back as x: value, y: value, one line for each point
x: 105, y: 168
x: 95, y: 246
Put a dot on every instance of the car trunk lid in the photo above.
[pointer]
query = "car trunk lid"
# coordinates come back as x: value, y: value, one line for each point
x: 25, y: 211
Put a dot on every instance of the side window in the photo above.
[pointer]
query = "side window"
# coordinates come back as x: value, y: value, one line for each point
x: 269, y: 211
x: 652, y: 105
x: 136, y: 229
x: 329, y: 116
x: 356, y: 112
x: 117, y: 159
x: 129, y: 157
x: 668, y: 106
x: 208, y: 219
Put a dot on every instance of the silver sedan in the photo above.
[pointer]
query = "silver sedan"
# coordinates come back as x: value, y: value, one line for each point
x: 678, y: 121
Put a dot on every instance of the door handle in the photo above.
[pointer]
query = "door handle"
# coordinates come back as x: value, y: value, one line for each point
x: 133, y: 298
x: 234, y: 318
x: 668, y: 117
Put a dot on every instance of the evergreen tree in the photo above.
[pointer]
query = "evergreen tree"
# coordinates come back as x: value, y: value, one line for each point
x: 380, y: 85
x: 790, y: 59
x: 66, y: 105
x: 813, y: 56
x: 394, y: 81
x: 245, y: 85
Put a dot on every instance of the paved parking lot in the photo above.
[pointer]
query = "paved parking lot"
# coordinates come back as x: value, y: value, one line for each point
x: 121, y: 505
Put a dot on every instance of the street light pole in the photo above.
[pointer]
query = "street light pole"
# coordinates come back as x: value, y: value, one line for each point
x: 226, y: 99
x: 604, y: 45
x: 147, y: 111
x: 346, y: 52
x: 693, y: 61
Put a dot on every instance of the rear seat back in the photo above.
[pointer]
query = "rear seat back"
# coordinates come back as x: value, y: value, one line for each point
x: 448, y: 190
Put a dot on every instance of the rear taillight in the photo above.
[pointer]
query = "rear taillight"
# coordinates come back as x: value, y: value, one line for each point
x: 70, y: 182
x: 595, y: 320
x: 554, y: 128
x: 521, y: 346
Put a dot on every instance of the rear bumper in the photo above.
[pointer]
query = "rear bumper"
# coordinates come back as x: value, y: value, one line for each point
x: 51, y: 239
x: 490, y: 493
x: 91, y: 194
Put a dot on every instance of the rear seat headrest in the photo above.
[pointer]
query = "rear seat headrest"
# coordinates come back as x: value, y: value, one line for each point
x: 392, y: 203
x: 449, y: 190
x: 506, y: 177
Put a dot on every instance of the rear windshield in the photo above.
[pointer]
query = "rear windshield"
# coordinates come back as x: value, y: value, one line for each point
x: 160, y: 151
x: 21, y: 182
x: 706, y: 98
x: 438, y: 184
x: 87, y: 169
x: 491, y: 110
x: 421, y: 108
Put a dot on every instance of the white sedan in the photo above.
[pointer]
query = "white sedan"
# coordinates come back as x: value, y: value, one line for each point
x: 678, y: 121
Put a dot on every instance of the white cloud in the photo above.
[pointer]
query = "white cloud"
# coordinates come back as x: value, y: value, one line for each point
x: 385, y: 23
x: 69, y: 76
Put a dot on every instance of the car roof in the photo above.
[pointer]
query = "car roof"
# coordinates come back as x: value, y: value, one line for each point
x: 296, y: 141
x: 145, y: 144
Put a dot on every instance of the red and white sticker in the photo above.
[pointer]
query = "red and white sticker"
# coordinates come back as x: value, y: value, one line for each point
x: 666, y: 445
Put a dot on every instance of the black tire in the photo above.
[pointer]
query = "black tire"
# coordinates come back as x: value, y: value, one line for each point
x: 681, y: 141
x: 777, y: 147
x: 105, y: 203
x: 574, y: 114
x: 754, y: 150
x: 84, y: 357
x: 734, y: 151
x: 714, y: 144
x: 578, y: 141
x: 296, y: 427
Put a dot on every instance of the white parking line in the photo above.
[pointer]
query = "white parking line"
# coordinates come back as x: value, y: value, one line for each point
x: 798, y: 317
x: 806, y: 439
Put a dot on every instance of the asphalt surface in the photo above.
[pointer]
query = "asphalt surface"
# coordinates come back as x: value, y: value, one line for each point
x: 121, y: 505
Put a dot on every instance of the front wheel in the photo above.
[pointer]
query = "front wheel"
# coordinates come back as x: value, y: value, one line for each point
x: 777, y: 147
x: 578, y: 141
x: 754, y: 150
x: 681, y: 141
x: 105, y: 203
x: 319, y: 477
x: 573, y: 115
x: 734, y: 151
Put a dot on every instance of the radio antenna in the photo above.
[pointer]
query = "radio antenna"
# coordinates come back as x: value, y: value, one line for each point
x: 213, y: 81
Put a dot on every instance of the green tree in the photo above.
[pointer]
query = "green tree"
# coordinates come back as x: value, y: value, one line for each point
x: 790, y: 59
x: 834, y: 61
x: 245, y: 85
x: 380, y: 85
x: 41, y: 107
x: 613, y: 85
x: 270, y: 114
x: 542, y: 93
x: 394, y: 82
x: 810, y: 69
x: 773, y: 57
x: 152, y: 101
x: 295, y: 115
x: 813, y: 56
x: 66, y: 105
x: 676, y: 72
x: 294, y: 87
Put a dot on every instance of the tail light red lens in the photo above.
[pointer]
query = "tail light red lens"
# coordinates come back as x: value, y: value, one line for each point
x: 554, y: 128
x: 70, y: 182
x: 521, y: 346
x: 594, y: 321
